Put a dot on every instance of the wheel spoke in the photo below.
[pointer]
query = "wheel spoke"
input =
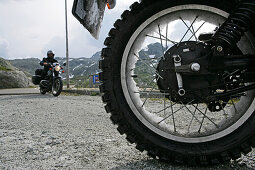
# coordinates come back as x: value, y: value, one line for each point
x: 206, y: 116
x: 233, y: 104
x: 150, y: 84
x: 151, y: 36
x: 199, y: 130
x: 187, y: 31
x: 197, y: 31
x: 149, y: 62
x: 192, y: 113
x: 192, y: 31
x: 149, y: 93
x: 173, y: 113
x: 194, y: 34
x: 166, y: 108
x: 165, y: 38
x: 192, y: 118
x: 136, y: 67
x: 153, y: 69
x: 161, y: 41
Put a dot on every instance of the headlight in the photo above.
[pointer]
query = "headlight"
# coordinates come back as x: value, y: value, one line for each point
x: 57, y: 68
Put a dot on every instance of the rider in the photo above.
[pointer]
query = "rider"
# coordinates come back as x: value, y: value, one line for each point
x: 46, y: 61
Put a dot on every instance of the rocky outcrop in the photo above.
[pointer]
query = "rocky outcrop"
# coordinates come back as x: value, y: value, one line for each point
x: 11, y: 77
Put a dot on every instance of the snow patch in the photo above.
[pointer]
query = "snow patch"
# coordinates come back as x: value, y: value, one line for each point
x: 77, y: 67
x: 71, y: 76
x: 92, y: 64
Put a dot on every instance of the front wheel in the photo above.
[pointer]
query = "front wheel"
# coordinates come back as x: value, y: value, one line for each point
x: 140, y: 84
x: 57, y: 87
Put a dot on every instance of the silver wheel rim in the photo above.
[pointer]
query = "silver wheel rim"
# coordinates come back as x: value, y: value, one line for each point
x: 244, y: 107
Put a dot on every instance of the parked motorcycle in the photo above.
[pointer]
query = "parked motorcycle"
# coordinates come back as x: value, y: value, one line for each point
x: 178, y: 76
x: 52, y: 82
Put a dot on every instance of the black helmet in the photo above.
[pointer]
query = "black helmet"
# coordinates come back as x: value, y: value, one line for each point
x: 50, y: 53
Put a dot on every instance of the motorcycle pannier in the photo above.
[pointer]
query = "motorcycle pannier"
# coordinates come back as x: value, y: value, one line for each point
x: 36, y: 79
x: 38, y: 72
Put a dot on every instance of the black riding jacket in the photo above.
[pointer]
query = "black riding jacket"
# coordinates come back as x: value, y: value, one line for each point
x: 48, y: 60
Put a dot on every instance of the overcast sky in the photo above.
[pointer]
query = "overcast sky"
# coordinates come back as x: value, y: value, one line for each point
x: 29, y: 28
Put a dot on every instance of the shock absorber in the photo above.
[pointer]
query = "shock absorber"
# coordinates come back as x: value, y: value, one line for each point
x: 239, y: 22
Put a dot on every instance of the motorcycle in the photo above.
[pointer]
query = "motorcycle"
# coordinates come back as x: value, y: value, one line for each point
x: 52, y: 82
x: 178, y: 76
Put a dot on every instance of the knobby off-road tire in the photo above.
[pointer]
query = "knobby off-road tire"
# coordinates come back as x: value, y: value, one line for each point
x: 215, y: 151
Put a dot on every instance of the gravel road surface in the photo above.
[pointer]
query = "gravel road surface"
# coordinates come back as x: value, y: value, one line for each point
x: 72, y: 132
x: 19, y: 91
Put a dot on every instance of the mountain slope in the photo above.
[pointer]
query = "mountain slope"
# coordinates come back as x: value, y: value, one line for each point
x: 29, y: 65
x: 88, y: 66
x: 5, y: 65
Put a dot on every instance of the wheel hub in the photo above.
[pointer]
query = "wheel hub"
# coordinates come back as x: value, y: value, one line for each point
x: 195, y: 83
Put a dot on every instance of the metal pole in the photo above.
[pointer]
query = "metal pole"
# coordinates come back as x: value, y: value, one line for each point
x: 67, y: 50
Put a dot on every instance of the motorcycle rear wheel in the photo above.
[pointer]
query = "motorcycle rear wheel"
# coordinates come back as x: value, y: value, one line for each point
x: 127, y: 109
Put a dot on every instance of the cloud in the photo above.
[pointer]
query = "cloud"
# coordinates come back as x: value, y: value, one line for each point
x: 57, y: 44
x: 4, y: 48
x: 8, y: 1
x: 31, y: 27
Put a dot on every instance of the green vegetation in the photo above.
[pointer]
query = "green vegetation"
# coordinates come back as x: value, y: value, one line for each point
x: 79, y: 82
x: 5, y: 65
x: 26, y: 65
x: 4, y: 69
x: 94, y: 94
x: 146, y: 77
x: 31, y: 87
x: 70, y: 94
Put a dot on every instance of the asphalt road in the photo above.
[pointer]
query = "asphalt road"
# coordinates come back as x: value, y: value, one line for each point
x: 72, y: 132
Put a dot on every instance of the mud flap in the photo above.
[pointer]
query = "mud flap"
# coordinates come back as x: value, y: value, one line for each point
x: 90, y: 14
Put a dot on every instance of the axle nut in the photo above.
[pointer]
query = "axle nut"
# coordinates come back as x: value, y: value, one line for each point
x: 195, y: 67
x: 219, y: 49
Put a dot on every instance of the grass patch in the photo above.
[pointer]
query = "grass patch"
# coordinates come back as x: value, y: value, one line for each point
x: 94, y: 94
x: 4, y: 69
x: 69, y: 94
x: 32, y: 87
